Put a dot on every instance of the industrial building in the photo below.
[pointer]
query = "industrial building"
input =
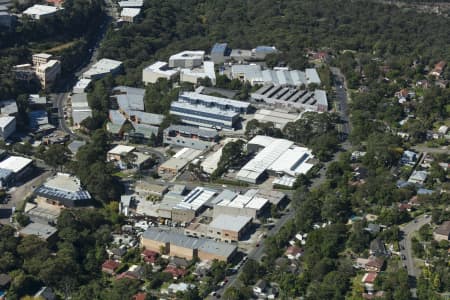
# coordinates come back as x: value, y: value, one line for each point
x: 278, y: 157
x: 227, y: 228
x: 250, y: 204
x: 20, y: 166
x: 282, y: 76
x: 208, y: 111
x: 39, y: 12
x: 220, y: 53
x: 129, y: 14
x: 130, y: 102
x: 212, y: 101
x: 199, y: 115
x: 64, y: 190
x: 80, y: 108
x: 291, y: 98
x: 178, y: 162
x: 102, y: 68
x: 187, y: 59
x: 190, y: 136
x: 194, y: 75
x: 179, y: 245
x: 276, y: 116
x: 81, y: 86
x: 118, y: 152
x: 7, y: 126
x: 158, y: 70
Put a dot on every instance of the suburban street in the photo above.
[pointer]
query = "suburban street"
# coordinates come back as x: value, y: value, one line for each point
x: 408, y: 232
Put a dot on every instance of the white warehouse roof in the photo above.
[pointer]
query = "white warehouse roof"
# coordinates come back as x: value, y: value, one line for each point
x: 229, y: 222
x: 196, y: 198
x: 15, y: 163
x: 161, y: 67
x: 41, y: 10
x: 199, y: 54
x: 120, y: 149
x: 130, y: 12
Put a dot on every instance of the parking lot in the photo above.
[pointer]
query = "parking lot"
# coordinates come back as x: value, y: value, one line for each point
x: 20, y: 192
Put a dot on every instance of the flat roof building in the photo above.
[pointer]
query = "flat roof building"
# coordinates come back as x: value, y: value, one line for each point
x: 278, y: 117
x: 194, y: 75
x: 64, y: 190
x: 131, y: 3
x: 119, y: 151
x: 129, y: 14
x: 190, y: 136
x: 187, y: 59
x: 43, y: 231
x: 102, y: 68
x: 7, y: 126
x: 80, y: 108
x: 39, y: 11
x: 48, y: 72
x: 229, y: 227
x: 81, y: 86
x: 178, y: 162
x: 158, y: 70
x: 16, y: 164
x: 179, y: 245
x: 220, y: 53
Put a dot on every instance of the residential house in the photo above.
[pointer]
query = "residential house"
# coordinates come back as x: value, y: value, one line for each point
x: 442, y: 232
x: 259, y: 287
x: 409, y: 158
x: 294, y: 252
x: 149, y: 256
x: 438, y: 69
x: 369, y: 281
x: 418, y: 177
x: 110, y: 266
x: 377, y: 248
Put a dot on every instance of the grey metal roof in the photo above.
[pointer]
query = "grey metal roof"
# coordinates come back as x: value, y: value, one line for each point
x: 229, y: 222
x: 79, y: 115
x: 116, y: 117
x: 192, y: 130
x: 224, y: 195
x: 181, y: 240
x: 79, y: 98
x: 43, y: 231
x: 148, y: 118
x: 75, y: 145
x: 146, y: 130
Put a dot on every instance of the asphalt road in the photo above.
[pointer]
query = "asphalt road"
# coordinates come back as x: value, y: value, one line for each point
x: 408, y: 231
x: 341, y: 100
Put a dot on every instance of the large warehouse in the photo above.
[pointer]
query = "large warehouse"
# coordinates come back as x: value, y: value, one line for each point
x: 230, y: 203
x: 179, y: 245
x: 278, y: 157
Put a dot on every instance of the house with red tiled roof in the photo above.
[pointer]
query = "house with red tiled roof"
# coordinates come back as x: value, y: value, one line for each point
x: 438, y: 69
x: 149, y: 256
x: 110, y: 266
x: 369, y: 281
x: 175, y: 272
x: 140, y: 296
